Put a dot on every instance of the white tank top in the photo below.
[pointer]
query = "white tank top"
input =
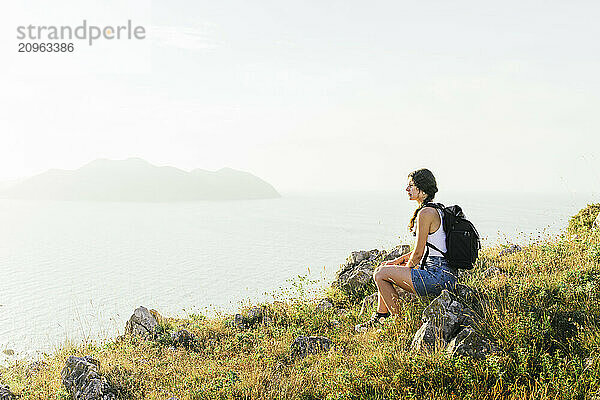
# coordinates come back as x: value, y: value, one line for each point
x: 438, y: 238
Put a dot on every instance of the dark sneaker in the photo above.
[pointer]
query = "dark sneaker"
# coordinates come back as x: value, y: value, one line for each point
x: 374, y: 322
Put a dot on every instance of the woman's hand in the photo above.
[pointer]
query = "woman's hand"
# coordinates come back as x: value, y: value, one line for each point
x: 404, y: 258
x: 398, y: 261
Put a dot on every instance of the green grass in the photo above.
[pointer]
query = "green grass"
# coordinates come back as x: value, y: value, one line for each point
x: 544, y: 313
x: 584, y: 219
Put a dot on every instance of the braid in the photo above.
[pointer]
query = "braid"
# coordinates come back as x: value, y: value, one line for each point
x: 411, y: 224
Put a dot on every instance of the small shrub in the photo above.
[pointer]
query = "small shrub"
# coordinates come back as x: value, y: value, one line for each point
x: 584, y: 219
x: 163, y: 335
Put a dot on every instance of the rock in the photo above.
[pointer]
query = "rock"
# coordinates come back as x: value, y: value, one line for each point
x: 428, y: 338
x: 142, y: 322
x: 469, y: 343
x: 255, y: 315
x: 81, y: 378
x: 252, y: 317
x: 9, y: 352
x: 358, y: 256
x: 448, y: 320
x: 238, y: 321
x: 596, y: 223
x: 466, y: 293
x: 397, y: 252
x: 442, y: 319
x: 324, y: 304
x: 492, y: 272
x: 357, y: 278
x: 513, y: 248
x: 183, y: 338
x: 470, y: 297
x: 34, y: 368
x: 305, y: 345
x: 6, y: 394
x: 448, y: 313
x: 359, y: 267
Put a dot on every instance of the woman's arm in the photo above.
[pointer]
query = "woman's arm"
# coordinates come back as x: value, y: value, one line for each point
x: 424, y: 220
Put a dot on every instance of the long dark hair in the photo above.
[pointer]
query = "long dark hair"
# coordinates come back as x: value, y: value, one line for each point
x: 424, y: 180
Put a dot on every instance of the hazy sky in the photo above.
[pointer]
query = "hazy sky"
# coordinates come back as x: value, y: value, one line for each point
x: 315, y: 95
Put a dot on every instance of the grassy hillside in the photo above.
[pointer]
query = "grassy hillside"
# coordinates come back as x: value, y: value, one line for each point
x: 543, y: 311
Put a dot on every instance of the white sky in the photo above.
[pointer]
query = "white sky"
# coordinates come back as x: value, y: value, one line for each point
x: 315, y: 95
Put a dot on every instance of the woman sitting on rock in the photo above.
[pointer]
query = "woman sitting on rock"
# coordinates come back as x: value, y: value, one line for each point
x: 422, y: 277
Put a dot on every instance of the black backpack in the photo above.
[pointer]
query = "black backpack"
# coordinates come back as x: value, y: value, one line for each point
x: 462, y: 239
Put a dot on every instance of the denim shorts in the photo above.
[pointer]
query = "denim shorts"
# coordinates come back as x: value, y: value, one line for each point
x: 430, y: 278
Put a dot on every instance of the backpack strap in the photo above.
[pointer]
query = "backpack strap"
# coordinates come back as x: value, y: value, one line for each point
x: 424, y: 258
x: 433, y: 247
x: 437, y: 206
x: 428, y: 245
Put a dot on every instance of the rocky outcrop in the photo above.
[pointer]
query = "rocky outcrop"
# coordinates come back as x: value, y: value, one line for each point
x: 428, y: 338
x: 448, y: 322
x: 476, y: 301
x: 324, y: 304
x: 466, y: 294
x: 143, y: 322
x: 358, y: 269
x: 354, y: 275
x: 183, y: 338
x: 6, y: 394
x: 596, y: 223
x: 442, y: 319
x: 305, y: 345
x: 83, y: 381
x: 449, y: 314
x: 251, y: 318
x: 469, y: 343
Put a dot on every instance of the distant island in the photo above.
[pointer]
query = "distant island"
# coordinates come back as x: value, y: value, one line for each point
x: 135, y: 179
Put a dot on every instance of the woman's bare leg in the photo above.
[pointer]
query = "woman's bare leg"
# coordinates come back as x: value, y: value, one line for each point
x: 385, y: 277
x: 381, y: 307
